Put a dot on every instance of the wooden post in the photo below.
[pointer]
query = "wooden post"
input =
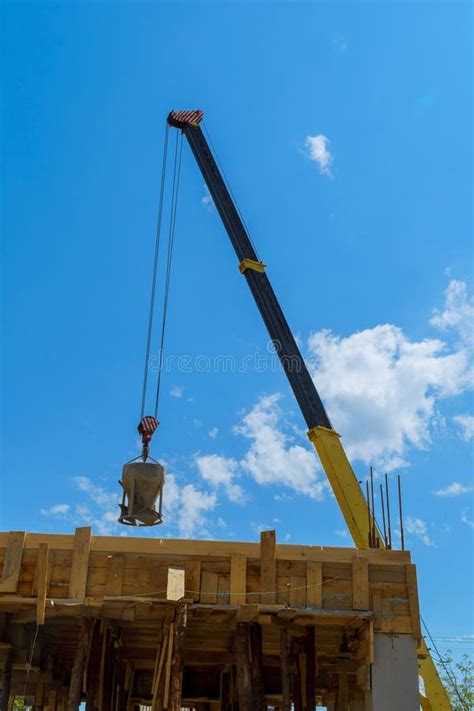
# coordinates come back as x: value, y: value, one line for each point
x: 242, y: 662
x: 297, y: 690
x: 258, y: 684
x: 342, y: 702
x: 77, y: 673
x: 177, y: 659
x: 7, y: 682
x: 225, y: 695
x: 285, y: 671
x: 93, y: 668
x: 309, y: 648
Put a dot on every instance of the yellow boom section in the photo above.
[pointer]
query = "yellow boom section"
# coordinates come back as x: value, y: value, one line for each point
x: 354, y: 508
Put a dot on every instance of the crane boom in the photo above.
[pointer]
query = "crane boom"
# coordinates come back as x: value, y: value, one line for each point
x: 325, y: 439
x: 320, y: 430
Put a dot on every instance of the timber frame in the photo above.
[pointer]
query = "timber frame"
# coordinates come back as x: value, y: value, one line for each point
x: 123, y: 622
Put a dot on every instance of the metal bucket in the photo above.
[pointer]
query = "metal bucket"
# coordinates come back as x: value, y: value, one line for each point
x: 142, y: 484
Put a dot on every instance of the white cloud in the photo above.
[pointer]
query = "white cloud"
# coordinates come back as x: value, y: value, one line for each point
x: 382, y: 390
x: 186, y: 508
x: 220, y: 471
x: 465, y: 519
x: 418, y: 527
x: 458, y: 312
x: 272, y: 458
x: 207, y: 200
x: 454, y: 489
x: 176, y: 391
x: 59, y: 510
x: 317, y: 150
x: 213, y: 432
x: 466, y: 425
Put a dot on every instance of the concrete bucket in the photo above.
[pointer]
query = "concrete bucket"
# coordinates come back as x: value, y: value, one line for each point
x: 142, y: 484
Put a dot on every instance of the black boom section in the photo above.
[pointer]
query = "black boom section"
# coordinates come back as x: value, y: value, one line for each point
x: 273, y: 317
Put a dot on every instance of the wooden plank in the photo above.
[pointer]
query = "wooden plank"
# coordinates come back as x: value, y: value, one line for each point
x: 115, y: 575
x: 297, y: 592
x: 360, y: 583
x: 413, y: 601
x: 210, y: 549
x: 169, y: 659
x: 175, y: 586
x: 12, y: 566
x: 80, y: 563
x: 41, y: 582
x: 314, y: 584
x: 238, y: 579
x: 209, y: 584
x: 193, y: 580
x: 268, y: 566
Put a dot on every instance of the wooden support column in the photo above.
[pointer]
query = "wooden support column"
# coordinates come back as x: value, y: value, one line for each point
x: 285, y: 671
x: 268, y: 566
x: 242, y: 661
x: 77, y: 673
x: 177, y: 659
x: 297, y: 687
x: 258, y: 684
x: 310, y: 652
x: 225, y: 695
x: 342, y: 701
x: 93, y: 667
x: 7, y: 682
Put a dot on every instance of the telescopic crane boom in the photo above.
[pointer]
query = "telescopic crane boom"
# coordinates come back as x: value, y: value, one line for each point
x: 320, y: 430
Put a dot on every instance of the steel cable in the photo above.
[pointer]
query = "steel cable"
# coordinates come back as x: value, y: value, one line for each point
x: 155, y: 271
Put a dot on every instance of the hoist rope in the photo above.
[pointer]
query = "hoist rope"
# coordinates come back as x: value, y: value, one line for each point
x: 227, y: 184
x: 171, y: 232
x: 155, y: 271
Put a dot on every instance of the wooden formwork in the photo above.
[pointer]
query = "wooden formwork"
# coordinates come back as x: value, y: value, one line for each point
x: 206, y: 625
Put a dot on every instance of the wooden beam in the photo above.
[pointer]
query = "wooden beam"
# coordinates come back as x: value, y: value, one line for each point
x: 12, y: 566
x: 314, y: 584
x: 413, y: 601
x: 80, y: 563
x: 256, y: 668
x: 177, y: 659
x: 193, y: 580
x: 268, y: 566
x: 238, y: 579
x: 360, y: 583
x: 41, y: 582
x: 225, y: 701
x: 242, y: 662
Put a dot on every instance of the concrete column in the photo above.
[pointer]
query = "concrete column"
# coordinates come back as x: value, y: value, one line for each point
x: 395, y: 673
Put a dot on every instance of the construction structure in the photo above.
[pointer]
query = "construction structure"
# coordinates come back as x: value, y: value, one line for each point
x: 209, y: 625
x: 205, y: 625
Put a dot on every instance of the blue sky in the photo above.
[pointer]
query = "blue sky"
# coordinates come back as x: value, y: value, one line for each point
x: 345, y: 131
